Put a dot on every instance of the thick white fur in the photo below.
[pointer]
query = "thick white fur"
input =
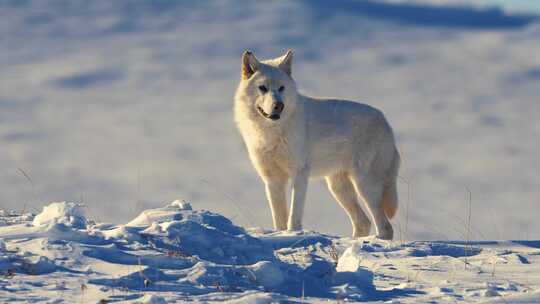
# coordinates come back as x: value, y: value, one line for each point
x: 349, y: 143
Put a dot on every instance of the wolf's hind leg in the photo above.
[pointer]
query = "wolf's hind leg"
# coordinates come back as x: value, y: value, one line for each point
x: 343, y: 191
x: 276, y: 188
x: 370, y: 188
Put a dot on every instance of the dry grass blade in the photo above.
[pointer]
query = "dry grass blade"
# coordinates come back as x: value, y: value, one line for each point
x: 468, y: 245
x: 29, y: 179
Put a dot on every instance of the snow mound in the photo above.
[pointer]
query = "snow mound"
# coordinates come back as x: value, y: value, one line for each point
x: 182, y: 205
x: 26, y: 263
x: 160, y: 215
x: 69, y: 214
x: 198, y: 234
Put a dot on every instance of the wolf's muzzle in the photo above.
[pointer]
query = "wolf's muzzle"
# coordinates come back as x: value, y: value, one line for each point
x: 277, y: 109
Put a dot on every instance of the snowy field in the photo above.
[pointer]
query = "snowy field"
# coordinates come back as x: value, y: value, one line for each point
x: 175, y: 254
x: 124, y: 105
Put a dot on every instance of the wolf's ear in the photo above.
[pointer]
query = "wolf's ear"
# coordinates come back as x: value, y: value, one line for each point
x: 250, y: 65
x: 285, y: 62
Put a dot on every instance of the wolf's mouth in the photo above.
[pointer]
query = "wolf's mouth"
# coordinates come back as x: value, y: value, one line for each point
x: 273, y: 116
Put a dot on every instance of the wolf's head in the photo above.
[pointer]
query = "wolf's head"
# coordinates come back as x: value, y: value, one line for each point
x: 267, y: 87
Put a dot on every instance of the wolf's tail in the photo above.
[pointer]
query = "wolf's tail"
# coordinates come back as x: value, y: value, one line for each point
x: 390, y: 197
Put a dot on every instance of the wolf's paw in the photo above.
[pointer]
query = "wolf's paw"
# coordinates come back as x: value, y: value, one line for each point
x: 386, y: 237
x: 386, y: 234
x: 294, y: 227
x: 280, y: 227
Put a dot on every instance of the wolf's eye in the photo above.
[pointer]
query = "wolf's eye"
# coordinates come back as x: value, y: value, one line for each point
x: 263, y: 89
x: 281, y: 89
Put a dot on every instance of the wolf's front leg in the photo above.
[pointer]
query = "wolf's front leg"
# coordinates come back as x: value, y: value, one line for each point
x: 276, y: 194
x: 300, y: 182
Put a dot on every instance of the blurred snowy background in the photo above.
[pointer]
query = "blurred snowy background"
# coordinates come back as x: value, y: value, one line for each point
x: 124, y: 105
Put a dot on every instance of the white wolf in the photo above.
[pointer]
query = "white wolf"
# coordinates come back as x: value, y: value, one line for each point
x: 291, y: 137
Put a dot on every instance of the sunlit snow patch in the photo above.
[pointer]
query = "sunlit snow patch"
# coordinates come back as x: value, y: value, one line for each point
x: 69, y: 214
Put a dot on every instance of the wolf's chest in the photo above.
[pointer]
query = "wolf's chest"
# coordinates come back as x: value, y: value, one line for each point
x: 274, y: 151
x: 275, y: 147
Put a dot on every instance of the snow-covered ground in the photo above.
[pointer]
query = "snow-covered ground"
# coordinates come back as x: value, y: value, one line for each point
x: 178, y: 253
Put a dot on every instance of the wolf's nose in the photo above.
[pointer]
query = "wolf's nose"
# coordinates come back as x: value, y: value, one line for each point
x: 278, y: 106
